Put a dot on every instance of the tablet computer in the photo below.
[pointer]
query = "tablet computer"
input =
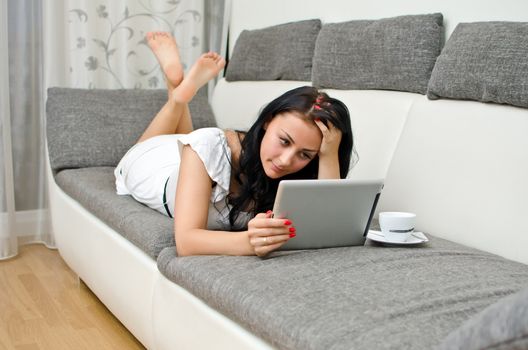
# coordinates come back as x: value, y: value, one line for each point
x: 327, y: 213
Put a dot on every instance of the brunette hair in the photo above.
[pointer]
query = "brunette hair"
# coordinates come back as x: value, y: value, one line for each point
x: 257, y: 190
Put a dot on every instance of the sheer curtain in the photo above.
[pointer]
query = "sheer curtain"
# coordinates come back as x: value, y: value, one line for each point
x: 24, y: 218
x: 78, y: 44
x: 8, y: 243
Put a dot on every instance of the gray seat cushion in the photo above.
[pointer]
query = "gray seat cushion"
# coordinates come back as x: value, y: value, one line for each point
x: 368, y: 297
x: 94, y: 189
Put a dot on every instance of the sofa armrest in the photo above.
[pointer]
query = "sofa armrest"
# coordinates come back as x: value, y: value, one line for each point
x: 96, y: 127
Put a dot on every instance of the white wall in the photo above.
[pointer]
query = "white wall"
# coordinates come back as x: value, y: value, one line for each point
x: 252, y: 14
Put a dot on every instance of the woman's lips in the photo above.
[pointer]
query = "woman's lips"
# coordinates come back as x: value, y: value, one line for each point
x: 276, y: 168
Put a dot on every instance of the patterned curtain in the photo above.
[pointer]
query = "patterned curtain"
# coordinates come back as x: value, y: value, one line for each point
x: 102, y: 44
x: 79, y: 44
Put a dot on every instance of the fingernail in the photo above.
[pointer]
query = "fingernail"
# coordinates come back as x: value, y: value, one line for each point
x: 317, y: 119
x: 292, y: 235
x: 287, y: 222
x: 269, y: 212
x: 292, y: 229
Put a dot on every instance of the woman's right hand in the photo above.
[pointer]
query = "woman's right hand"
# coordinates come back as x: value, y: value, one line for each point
x: 267, y: 234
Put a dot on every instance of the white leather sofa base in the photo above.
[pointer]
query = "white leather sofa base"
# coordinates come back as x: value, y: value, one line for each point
x: 377, y: 116
x: 158, y: 312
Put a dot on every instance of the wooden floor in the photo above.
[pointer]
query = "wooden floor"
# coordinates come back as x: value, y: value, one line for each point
x: 44, y: 306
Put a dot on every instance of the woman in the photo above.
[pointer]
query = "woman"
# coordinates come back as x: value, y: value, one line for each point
x: 219, y: 185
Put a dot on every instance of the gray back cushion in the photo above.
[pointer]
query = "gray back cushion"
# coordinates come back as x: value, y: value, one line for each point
x: 392, y: 54
x: 96, y: 127
x: 281, y: 52
x: 503, y: 325
x: 484, y: 61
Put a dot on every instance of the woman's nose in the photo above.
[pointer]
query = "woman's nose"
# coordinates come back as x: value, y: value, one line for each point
x: 286, y: 158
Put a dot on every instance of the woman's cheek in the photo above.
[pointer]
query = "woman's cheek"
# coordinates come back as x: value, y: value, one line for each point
x: 301, y: 164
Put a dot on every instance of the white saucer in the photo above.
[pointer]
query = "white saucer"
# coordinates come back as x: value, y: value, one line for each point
x: 415, y: 238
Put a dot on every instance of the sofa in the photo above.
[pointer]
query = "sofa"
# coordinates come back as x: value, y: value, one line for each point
x: 439, y: 124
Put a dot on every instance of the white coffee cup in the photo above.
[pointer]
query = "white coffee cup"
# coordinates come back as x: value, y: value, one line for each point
x: 397, y: 226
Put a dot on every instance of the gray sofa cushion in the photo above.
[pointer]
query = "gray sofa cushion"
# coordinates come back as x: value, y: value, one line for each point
x: 96, y: 127
x: 367, y: 297
x: 503, y: 325
x: 94, y: 189
x: 392, y: 54
x: 281, y: 52
x: 484, y: 61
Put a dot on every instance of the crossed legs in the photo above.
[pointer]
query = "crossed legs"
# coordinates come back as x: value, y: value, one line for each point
x: 174, y: 117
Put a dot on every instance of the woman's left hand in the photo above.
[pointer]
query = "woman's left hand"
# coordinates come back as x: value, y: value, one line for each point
x: 267, y: 234
x: 331, y: 139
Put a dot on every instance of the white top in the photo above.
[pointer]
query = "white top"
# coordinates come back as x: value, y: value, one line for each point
x: 151, y: 165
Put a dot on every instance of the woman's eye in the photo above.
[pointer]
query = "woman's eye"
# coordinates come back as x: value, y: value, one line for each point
x: 284, y: 142
x: 305, y: 156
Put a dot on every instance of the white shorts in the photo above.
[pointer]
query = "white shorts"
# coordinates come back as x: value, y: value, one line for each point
x: 144, y: 170
x: 150, y: 170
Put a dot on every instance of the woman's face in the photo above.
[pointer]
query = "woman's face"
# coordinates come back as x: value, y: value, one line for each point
x: 290, y: 142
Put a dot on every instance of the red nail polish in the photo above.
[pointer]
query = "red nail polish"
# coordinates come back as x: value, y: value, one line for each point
x: 292, y: 229
x: 269, y: 212
x: 317, y: 119
x: 287, y: 222
x: 292, y: 235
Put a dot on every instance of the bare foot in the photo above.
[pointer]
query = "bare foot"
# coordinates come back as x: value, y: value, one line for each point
x: 166, y: 51
x: 204, y: 69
